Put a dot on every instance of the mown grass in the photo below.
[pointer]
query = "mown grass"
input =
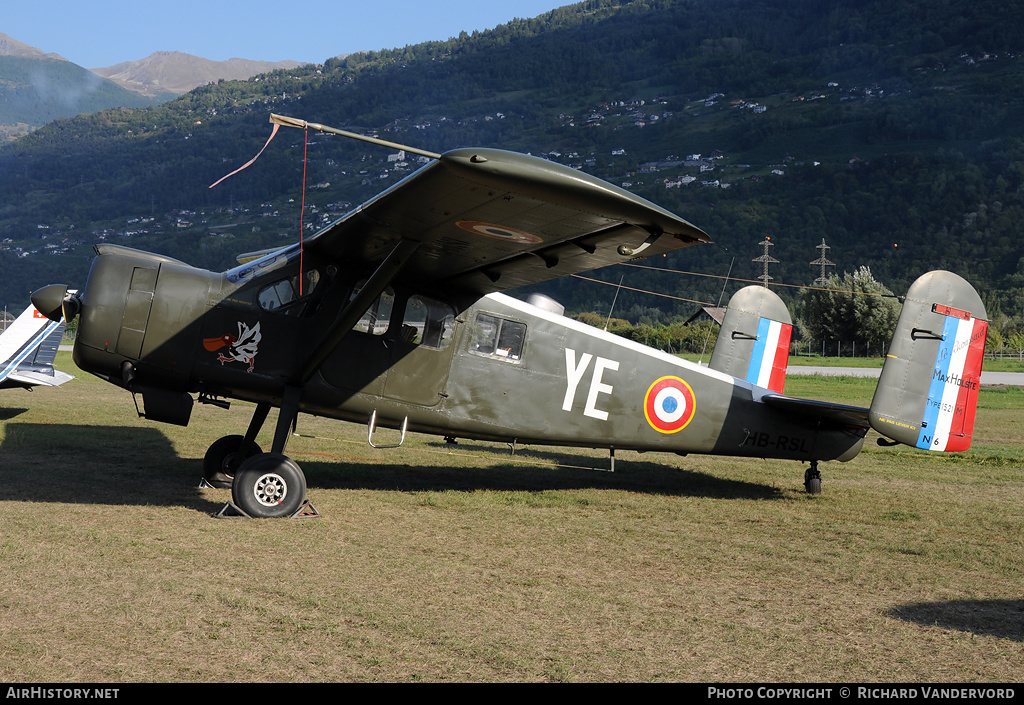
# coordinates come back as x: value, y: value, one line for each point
x: 464, y: 563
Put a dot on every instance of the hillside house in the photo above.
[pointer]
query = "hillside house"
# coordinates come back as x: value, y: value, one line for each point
x: 681, y: 181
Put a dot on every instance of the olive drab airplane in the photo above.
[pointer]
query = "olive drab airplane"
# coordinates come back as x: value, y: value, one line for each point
x: 393, y: 317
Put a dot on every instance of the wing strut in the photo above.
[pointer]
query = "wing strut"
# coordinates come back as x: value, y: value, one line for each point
x: 350, y: 315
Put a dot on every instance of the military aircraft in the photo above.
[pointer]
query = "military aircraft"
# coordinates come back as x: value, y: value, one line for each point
x: 393, y: 317
x: 28, y: 347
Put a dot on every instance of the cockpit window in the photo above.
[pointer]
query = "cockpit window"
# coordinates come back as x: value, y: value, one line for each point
x: 497, y: 337
x: 427, y: 322
x: 376, y: 318
x: 280, y: 294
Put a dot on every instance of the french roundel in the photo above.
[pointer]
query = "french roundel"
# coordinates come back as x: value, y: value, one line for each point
x: 499, y: 232
x: 669, y: 405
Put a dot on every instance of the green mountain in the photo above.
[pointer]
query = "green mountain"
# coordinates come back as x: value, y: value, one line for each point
x: 893, y: 131
x: 38, y: 90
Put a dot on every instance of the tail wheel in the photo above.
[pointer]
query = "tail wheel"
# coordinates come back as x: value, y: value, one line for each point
x: 269, y: 485
x: 224, y: 458
x: 812, y: 479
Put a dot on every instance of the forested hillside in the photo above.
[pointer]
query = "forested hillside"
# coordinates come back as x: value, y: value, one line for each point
x: 893, y: 131
x: 35, y: 91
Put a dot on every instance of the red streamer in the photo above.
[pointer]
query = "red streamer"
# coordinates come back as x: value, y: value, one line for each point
x: 248, y: 163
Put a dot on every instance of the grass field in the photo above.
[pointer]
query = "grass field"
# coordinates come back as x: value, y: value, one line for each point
x: 464, y: 563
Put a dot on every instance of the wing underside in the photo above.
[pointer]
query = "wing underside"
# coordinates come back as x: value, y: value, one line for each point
x: 27, y: 351
x: 488, y: 220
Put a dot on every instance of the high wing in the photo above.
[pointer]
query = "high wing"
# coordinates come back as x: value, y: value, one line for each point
x: 487, y: 220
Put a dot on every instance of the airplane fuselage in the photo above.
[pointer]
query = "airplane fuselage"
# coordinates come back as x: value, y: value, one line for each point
x: 390, y: 317
x: 491, y: 368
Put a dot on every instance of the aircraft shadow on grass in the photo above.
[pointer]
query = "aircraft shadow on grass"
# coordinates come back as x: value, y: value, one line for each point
x: 557, y: 470
x: 140, y: 466
x: 114, y: 465
x: 998, y: 618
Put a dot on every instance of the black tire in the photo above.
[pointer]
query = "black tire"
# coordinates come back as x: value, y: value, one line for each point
x: 223, y: 459
x: 812, y: 481
x: 269, y: 486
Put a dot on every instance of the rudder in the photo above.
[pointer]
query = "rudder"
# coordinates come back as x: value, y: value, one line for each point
x: 754, y: 341
x: 927, y: 394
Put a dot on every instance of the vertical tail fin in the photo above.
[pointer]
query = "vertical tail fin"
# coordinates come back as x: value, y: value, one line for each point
x: 928, y: 391
x: 754, y: 341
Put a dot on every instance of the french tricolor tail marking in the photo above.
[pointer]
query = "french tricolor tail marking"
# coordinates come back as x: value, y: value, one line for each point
x: 770, y: 358
x: 948, y: 421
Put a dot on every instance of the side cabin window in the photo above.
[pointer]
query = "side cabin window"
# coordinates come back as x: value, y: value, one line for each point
x: 497, y: 337
x: 427, y: 322
x: 280, y: 295
x: 377, y: 317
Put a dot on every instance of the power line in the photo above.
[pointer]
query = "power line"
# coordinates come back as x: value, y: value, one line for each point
x: 748, y: 281
x: 642, y: 291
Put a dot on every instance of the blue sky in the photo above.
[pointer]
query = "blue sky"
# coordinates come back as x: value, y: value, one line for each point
x: 99, y: 34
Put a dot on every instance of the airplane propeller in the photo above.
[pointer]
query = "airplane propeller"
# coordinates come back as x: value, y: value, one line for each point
x: 54, y: 301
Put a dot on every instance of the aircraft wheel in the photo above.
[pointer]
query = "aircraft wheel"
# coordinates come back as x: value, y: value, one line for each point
x: 223, y: 459
x: 812, y: 479
x: 269, y: 485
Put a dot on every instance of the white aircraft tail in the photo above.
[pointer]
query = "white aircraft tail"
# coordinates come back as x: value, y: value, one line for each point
x: 27, y: 349
x: 753, y: 343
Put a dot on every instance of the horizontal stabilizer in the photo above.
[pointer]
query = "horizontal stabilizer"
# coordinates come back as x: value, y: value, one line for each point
x: 927, y: 394
x: 753, y: 344
x: 840, y: 414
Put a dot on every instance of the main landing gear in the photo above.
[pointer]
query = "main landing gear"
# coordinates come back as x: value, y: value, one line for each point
x: 269, y: 485
x: 263, y: 485
x: 224, y: 458
x: 812, y: 479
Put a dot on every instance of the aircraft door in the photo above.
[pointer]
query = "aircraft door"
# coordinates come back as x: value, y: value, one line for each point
x: 360, y: 363
x: 422, y: 352
x: 400, y: 349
